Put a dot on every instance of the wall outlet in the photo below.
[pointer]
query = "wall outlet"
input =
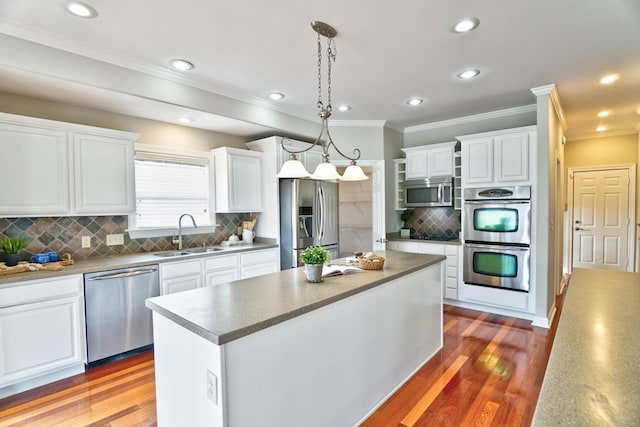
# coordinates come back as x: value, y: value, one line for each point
x: 212, y: 387
x: 115, y: 239
x: 86, y: 241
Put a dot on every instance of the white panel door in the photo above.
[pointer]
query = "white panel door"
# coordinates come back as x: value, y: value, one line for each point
x: 601, y: 219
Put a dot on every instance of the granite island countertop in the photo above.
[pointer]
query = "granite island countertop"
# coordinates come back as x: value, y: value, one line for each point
x: 126, y: 261
x: 593, y: 375
x: 230, y: 311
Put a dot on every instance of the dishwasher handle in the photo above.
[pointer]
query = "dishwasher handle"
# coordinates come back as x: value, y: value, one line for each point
x: 123, y: 274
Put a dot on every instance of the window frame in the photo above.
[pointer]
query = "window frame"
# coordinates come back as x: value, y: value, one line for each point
x: 187, y: 228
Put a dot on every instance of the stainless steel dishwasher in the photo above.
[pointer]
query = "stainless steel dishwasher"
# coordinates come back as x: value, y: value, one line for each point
x: 117, y: 319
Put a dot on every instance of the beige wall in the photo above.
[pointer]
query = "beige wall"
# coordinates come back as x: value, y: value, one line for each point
x: 153, y: 132
x: 613, y: 150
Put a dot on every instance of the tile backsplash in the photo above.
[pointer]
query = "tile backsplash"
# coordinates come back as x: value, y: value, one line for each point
x: 435, y: 221
x: 64, y: 234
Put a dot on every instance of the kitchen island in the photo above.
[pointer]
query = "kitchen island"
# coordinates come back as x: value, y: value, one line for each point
x: 593, y: 371
x: 277, y: 350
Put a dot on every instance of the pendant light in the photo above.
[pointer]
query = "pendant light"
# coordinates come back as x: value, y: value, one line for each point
x: 293, y: 168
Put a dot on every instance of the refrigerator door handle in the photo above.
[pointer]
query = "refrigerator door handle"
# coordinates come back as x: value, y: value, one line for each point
x: 322, y: 213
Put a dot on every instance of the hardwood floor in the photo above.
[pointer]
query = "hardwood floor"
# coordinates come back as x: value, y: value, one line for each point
x: 489, y: 373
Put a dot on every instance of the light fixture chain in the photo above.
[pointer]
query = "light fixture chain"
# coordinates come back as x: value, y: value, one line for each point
x: 331, y: 57
x: 319, y: 104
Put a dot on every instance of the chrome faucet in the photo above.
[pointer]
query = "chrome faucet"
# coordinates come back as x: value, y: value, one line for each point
x: 179, y: 241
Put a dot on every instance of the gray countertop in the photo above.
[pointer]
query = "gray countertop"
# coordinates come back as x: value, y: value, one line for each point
x: 124, y: 261
x: 230, y: 311
x: 593, y: 375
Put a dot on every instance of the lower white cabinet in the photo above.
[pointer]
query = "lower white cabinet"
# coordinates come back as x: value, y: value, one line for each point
x: 453, y: 253
x: 178, y: 276
x: 257, y: 263
x: 184, y: 275
x: 42, y: 328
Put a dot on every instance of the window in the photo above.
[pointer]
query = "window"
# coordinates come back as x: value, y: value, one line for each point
x: 169, y: 184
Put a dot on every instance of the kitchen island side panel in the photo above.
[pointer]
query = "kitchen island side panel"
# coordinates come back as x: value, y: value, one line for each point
x: 335, y: 365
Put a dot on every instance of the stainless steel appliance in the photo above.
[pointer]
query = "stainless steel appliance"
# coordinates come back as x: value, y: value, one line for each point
x: 428, y: 192
x: 497, y: 236
x: 308, y: 217
x: 116, y: 317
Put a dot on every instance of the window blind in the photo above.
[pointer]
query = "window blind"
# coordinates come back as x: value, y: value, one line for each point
x: 167, y: 187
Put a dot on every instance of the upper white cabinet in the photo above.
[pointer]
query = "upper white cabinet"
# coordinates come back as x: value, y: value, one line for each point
x: 59, y: 169
x: 430, y: 160
x: 498, y: 158
x: 104, y: 175
x: 238, y: 180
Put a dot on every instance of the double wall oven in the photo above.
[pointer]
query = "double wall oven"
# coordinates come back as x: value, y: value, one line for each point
x: 497, y: 236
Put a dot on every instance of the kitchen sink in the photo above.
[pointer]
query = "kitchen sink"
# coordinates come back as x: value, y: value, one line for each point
x: 172, y: 253
x: 204, y: 250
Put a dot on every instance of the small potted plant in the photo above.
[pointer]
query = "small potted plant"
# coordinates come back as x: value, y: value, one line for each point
x: 405, y: 216
x: 11, y: 246
x: 313, y: 259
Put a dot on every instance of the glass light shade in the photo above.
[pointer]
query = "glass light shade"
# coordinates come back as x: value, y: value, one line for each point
x: 354, y: 173
x: 325, y: 171
x: 293, y: 168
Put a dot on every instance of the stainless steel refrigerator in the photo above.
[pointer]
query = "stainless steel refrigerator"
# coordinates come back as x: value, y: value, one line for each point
x: 308, y: 217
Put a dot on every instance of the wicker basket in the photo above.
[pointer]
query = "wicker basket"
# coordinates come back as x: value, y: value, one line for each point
x: 375, y: 263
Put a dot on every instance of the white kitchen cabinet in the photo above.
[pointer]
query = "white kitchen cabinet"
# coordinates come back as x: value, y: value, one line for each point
x: 238, y: 180
x: 61, y: 169
x: 400, y: 176
x: 222, y: 269
x: 257, y: 263
x: 41, y: 328
x: 430, y: 160
x: 104, y: 181
x: 35, y: 170
x: 178, y: 276
x: 498, y: 158
x: 452, y: 252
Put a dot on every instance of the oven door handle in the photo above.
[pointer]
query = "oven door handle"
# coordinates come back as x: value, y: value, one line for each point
x: 497, y: 247
x: 500, y: 202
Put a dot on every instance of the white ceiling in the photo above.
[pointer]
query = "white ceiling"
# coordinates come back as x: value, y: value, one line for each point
x: 388, y: 52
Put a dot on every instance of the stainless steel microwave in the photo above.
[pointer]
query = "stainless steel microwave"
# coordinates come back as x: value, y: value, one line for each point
x: 428, y: 192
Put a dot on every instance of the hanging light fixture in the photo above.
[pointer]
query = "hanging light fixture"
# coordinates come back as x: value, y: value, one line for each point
x: 293, y: 168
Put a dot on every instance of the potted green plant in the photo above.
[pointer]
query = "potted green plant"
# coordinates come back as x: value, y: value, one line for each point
x: 11, y: 246
x: 405, y: 216
x: 313, y: 259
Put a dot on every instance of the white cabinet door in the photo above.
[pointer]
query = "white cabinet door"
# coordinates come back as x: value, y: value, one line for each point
x: 311, y: 159
x: 512, y: 157
x: 258, y: 270
x: 257, y: 263
x: 34, y: 172
x: 477, y: 161
x: 218, y: 277
x: 417, y: 164
x: 180, y: 276
x: 180, y: 284
x: 440, y: 161
x: 40, y: 338
x: 104, y: 181
x: 238, y: 180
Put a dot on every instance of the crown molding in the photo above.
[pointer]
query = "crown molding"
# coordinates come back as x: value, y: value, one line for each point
x: 604, y: 134
x: 474, y: 118
x: 552, y: 93
x: 358, y: 123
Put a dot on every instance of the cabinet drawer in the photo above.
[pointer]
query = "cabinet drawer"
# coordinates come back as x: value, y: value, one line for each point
x: 218, y: 262
x: 451, y: 283
x: 451, y: 250
x: 181, y: 268
x: 451, y: 293
x: 259, y: 257
x: 452, y: 271
x: 431, y: 248
x: 258, y: 270
x: 40, y: 290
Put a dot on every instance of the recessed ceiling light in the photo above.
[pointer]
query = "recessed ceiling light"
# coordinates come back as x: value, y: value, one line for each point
x: 80, y: 9
x: 415, y: 101
x: 609, y: 78
x: 603, y: 113
x: 344, y: 108
x: 464, y: 25
x: 276, y: 96
x: 601, y: 128
x: 468, y: 74
x: 185, y: 120
x: 181, y: 64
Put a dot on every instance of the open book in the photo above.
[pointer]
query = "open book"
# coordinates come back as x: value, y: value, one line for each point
x: 335, y: 269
